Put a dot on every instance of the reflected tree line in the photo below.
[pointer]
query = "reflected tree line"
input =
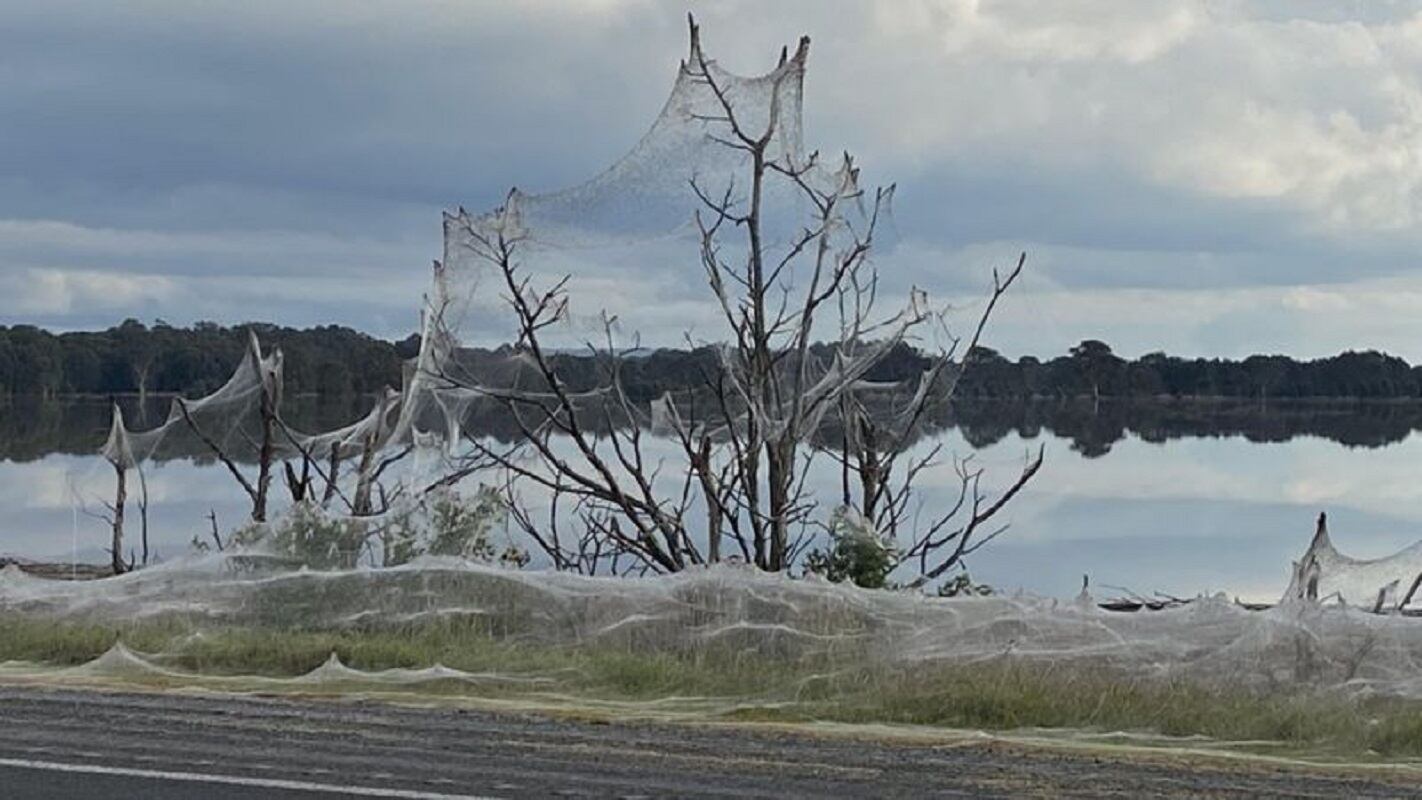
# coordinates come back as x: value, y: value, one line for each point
x: 1093, y: 428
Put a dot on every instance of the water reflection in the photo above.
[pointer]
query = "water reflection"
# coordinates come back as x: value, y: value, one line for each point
x: 31, y: 428
x: 1177, y: 497
x: 1093, y: 428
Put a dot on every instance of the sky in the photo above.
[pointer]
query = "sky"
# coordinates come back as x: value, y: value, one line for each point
x: 1205, y: 178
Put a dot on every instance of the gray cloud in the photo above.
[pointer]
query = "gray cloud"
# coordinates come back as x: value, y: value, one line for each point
x: 289, y: 161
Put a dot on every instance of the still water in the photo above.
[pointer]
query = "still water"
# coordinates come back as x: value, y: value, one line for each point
x: 1180, y: 498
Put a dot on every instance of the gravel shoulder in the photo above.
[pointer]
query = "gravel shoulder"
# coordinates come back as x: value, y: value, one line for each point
x: 82, y: 743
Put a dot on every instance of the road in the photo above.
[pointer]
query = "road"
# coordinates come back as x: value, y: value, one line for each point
x: 65, y: 743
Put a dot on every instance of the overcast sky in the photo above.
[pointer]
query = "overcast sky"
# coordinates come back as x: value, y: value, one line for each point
x: 1212, y: 178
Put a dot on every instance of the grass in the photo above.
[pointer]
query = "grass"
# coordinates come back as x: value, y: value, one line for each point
x: 607, y: 673
x: 1015, y: 696
x: 747, y: 686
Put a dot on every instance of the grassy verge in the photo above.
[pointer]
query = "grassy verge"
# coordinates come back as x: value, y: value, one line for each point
x: 996, y: 696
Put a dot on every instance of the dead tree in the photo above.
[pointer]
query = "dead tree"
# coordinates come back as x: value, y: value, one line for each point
x: 747, y: 443
x: 269, y: 404
x: 298, y: 485
x: 873, y: 441
x: 143, y: 514
x: 268, y: 377
x: 607, y: 475
x: 119, y: 454
x: 116, y: 511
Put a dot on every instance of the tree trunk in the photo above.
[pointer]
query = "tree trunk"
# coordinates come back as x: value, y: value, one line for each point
x: 780, y: 474
x: 270, y: 408
x: 701, y: 464
x: 333, y: 469
x: 143, y: 513
x: 361, y: 505
x: 870, y: 472
x: 264, y: 462
x: 120, y: 500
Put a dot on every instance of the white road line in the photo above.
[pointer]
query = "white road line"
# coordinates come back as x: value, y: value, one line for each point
x: 235, y: 780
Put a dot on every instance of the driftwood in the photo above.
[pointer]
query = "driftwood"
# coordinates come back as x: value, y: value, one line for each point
x: 57, y: 571
x: 1162, y: 602
x: 1131, y: 605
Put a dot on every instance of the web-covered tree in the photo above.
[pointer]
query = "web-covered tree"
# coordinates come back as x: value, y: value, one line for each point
x: 784, y: 240
x: 242, y: 422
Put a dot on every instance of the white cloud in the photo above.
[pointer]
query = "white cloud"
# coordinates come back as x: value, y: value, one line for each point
x: 1324, y: 118
x: 48, y: 291
x: 1060, y: 32
x: 1309, y: 298
x: 283, y: 252
x: 1307, y: 321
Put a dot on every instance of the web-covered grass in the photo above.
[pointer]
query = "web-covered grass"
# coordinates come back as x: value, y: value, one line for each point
x: 996, y: 696
x: 731, y: 645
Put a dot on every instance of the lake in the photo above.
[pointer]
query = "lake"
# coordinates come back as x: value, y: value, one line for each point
x: 1178, y: 497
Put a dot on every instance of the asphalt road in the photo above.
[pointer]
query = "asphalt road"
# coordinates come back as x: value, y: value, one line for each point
x: 66, y: 743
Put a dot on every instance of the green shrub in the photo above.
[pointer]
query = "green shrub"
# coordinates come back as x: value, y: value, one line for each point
x: 857, y: 552
x: 442, y: 523
x: 446, y: 523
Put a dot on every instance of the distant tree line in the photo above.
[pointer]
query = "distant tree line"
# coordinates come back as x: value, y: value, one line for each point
x: 133, y: 358
x: 1091, y: 370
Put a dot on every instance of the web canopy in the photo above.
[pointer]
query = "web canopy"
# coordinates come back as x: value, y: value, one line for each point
x: 1386, y: 584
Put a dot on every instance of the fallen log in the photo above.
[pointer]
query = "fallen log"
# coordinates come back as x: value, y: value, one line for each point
x: 59, y: 571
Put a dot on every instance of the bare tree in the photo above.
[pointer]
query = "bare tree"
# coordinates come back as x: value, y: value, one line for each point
x: 275, y: 437
x: 268, y: 379
x: 607, y: 474
x: 747, y: 436
x: 115, y: 518
x: 120, y: 457
x: 874, y: 440
x: 143, y: 515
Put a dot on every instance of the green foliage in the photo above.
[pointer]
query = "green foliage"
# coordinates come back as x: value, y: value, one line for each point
x: 444, y: 523
x: 447, y: 523
x: 461, y: 527
x: 307, y: 534
x: 856, y: 553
